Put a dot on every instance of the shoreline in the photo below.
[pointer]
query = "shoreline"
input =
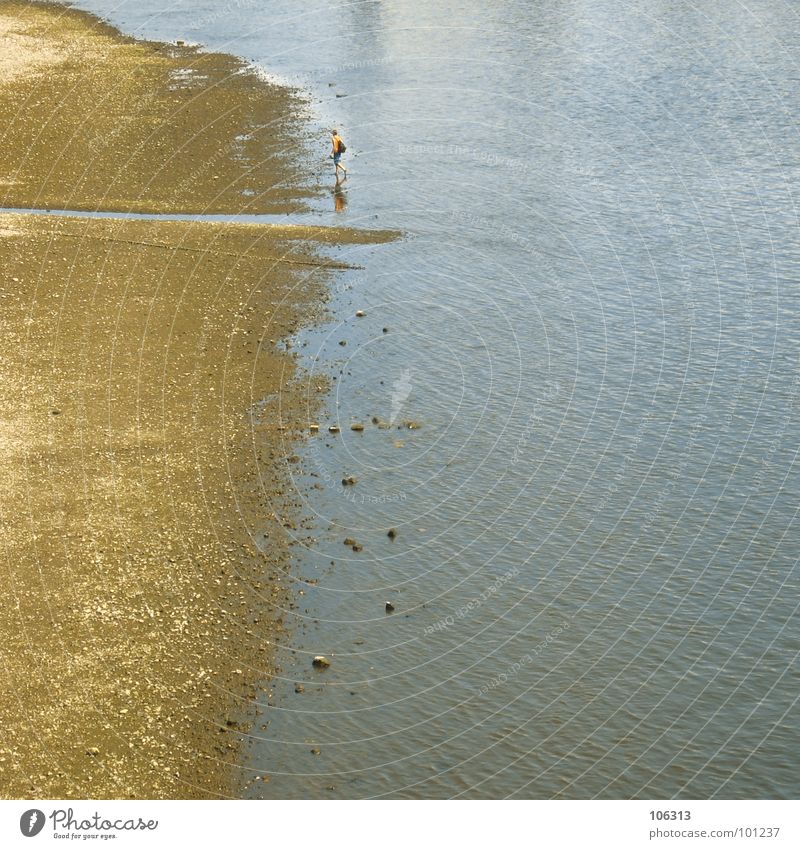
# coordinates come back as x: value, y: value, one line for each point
x: 150, y: 412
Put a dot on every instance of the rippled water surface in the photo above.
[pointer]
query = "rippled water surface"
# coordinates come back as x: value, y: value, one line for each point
x: 594, y: 319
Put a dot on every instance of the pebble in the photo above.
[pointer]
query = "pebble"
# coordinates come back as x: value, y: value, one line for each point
x: 299, y: 688
x: 314, y: 428
x: 391, y: 533
x: 349, y: 541
x: 358, y: 547
x: 321, y: 662
x: 389, y: 607
x: 349, y: 481
x: 360, y: 313
x: 357, y: 426
x: 334, y: 429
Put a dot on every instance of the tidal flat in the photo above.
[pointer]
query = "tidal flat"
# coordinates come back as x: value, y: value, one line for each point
x: 149, y: 405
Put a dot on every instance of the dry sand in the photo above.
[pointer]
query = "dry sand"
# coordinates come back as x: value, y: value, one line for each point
x: 146, y: 507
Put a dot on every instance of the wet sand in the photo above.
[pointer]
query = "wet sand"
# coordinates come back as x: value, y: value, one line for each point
x: 147, y: 509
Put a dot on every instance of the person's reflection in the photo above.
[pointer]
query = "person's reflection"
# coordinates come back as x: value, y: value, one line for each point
x: 339, y: 198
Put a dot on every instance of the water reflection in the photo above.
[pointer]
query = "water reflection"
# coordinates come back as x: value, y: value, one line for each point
x: 339, y: 197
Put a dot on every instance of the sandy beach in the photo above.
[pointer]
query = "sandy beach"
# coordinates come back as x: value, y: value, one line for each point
x: 147, y: 510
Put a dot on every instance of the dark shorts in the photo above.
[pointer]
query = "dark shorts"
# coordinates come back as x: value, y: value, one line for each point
x: 336, y: 158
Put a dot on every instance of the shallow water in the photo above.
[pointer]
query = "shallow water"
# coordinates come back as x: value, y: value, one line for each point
x: 594, y: 320
x: 308, y: 218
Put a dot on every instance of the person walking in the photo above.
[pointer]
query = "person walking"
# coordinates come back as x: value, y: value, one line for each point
x: 338, y: 148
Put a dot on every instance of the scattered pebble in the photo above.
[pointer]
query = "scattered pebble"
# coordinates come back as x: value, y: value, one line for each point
x: 358, y: 547
x: 334, y: 429
x: 349, y: 481
x: 321, y: 662
x: 391, y: 533
x: 360, y: 313
x: 349, y: 541
x: 357, y: 426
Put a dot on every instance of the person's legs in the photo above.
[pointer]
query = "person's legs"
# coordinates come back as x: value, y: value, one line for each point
x: 337, y: 165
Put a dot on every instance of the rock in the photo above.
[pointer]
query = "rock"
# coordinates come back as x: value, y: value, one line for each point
x: 391, y: 533
x: 321, y: 662
x: 314, y: 428
x: 360, y: 313
x: 349, y: 481
x: 315, y: 751
x: 343, y: 342
x: 299, y: 688
x: 389, y: 607
x: 358, y: 547
x: 385, y: 329
x: 349, y: 541
x: 357, y: 426
x: 334, y: 429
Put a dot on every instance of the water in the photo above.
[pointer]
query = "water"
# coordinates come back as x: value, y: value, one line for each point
x: 164, y: 216
x: 594, y: 319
